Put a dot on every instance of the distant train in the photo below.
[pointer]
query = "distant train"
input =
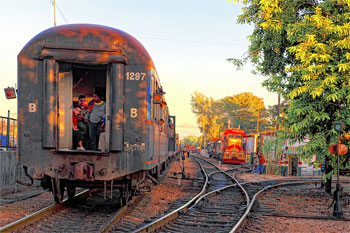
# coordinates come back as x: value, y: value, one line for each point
x: 214, y: 148
x: 65, y: 62
x: 230, y: 148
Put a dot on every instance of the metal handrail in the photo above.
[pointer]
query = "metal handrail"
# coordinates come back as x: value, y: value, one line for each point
x: 8, y: 133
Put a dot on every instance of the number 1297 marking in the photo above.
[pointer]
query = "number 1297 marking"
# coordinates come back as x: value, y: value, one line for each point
x: 135, y: 76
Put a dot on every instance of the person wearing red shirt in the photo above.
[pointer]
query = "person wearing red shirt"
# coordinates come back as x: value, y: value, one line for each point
x: 261, y: 163
x: 77, y: 136
x: 82, y: 125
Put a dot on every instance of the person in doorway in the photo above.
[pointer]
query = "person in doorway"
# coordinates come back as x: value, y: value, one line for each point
x: 77, y: 136
x: 261, y: 162
x: 82, y: 124
x: 101, y: 142
x: 95, y: 115
x: 294, y: 165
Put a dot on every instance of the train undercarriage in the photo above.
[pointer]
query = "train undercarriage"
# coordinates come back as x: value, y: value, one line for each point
x: 126, y: 186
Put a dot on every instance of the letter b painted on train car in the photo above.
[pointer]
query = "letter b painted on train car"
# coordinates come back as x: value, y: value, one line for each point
x: 133, y: 112
x: 32, y: 107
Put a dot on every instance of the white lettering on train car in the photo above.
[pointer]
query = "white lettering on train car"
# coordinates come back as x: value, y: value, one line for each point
x: 134, y: 147
x: 32, y: 107
x: 133, y: 112
x: 135, y: 76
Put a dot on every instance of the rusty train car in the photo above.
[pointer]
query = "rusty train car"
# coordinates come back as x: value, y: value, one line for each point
x: 214, y: 148
x: 233, y: 143
x: 63, y: 62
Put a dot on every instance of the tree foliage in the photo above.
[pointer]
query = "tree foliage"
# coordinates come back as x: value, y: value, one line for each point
x: 303, y: 48
x: 191, y: 140
x: 204, y: 108
x: 241, y: 110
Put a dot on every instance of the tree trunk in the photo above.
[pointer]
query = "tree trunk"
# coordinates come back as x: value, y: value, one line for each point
x: 328, y: 169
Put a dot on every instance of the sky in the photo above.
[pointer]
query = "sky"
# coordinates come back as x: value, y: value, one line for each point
x: 188, y: 40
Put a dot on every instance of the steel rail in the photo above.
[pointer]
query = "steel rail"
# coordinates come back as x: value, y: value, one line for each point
x: 118, y: 215
x: 243, y: 218
x: 166, y: 218
x: 37, y: 215
x: 232, y: 177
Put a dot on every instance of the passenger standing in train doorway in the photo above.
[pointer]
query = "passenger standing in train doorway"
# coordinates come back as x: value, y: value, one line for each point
x: 82, y: 124
x: 77, y: 137
x: 96, y: 114
x: 101, y: 142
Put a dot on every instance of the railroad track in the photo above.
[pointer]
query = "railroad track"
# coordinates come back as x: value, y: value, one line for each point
x: 306, y: 201
x: 128, y: 222
x: 214, y: 209
x: 81, y: 216
x: 31, y: 218
x: 78, y: 215
x: 216, y: 205
x: 224, y: 206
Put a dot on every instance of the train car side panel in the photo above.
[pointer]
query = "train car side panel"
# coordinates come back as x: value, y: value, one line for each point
x: 63, y: 62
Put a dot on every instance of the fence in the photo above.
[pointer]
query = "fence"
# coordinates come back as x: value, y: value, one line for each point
x: 8, y: 133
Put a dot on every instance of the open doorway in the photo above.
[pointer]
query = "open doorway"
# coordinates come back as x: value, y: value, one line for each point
x: 89, y: 107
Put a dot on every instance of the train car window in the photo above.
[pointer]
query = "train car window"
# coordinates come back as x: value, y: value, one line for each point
x: 231, y: 136
x: 157, y: 111
x: 237, y: 136
x: 151, y: 102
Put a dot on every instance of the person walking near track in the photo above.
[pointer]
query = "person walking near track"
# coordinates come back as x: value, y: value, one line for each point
x: 261, y: 162
x: 256, y: 165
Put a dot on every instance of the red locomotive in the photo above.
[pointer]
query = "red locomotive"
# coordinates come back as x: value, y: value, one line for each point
x: 233, y: 143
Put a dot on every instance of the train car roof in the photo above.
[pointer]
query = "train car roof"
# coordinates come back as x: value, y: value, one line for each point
x: 270, y: 132
x: 234, y: 131
x: 88, y: 37
x: 215, y: 139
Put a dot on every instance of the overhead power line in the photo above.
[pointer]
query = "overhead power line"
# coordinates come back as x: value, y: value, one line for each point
x: 55, y: 5
x: 194, y: 41
x: 61, y: 13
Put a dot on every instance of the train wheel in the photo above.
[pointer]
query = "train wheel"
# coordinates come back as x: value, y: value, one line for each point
x: 125, y: 194
x: 57, y: 195
x: 159, y: 168
x: 70, y: 191
x: 164, y: 166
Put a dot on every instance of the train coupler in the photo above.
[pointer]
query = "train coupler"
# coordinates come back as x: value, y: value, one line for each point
x: 83, y: 171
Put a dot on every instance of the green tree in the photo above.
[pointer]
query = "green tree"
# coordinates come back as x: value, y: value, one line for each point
x: 315, y: 37
x: 191, y: 140
x: 243, y: 110
x: 273, y: 112
x: 204, y: 108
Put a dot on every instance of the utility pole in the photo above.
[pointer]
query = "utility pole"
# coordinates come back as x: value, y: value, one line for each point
x: 54, y: 12
x: 257, y: 123
x: 8, y: 131
x: 337, y: 209
x: 277, y: 126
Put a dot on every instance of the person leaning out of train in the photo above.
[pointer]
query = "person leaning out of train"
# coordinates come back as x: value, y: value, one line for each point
x: 95, y: 115
x: 77, y: 136
x: 82, y: 125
